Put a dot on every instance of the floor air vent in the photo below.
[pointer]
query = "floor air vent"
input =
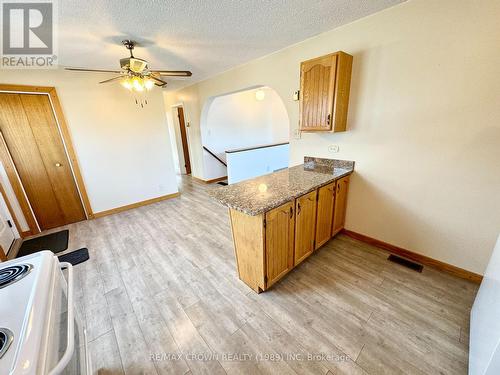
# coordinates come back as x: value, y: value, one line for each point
x: 223, y: 183
x: 405, y: 262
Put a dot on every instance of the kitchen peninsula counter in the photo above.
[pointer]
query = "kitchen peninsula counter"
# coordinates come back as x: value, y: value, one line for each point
x: 263, y: 193
x: 279, y: 219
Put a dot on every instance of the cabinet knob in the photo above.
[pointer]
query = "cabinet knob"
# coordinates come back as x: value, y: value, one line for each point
x: 298, y: 208
x: 58, y: 165
x: 291, y: 212
x: 328, y: 119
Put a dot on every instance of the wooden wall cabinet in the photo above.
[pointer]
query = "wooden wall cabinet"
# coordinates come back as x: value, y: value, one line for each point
x: 324, y: 92
x: 271, y: 244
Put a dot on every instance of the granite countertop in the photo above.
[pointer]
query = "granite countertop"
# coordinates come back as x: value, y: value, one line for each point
x: 261, y: 194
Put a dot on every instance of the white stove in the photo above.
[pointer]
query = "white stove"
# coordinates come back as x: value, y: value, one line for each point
x: 40, y: 332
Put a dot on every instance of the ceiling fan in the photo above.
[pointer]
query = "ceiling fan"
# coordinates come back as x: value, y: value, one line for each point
x: 135, y: 73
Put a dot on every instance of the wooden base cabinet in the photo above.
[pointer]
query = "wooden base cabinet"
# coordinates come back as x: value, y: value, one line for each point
x: 324, y: 221
x: 249, y: 245
x: 340, y: 205
x: 279, y: 233
x: 305, y: 226
x: 269, y: 245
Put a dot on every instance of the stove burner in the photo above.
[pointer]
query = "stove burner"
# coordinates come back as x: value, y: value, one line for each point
x: 10, y: 275
x: 6, y: 338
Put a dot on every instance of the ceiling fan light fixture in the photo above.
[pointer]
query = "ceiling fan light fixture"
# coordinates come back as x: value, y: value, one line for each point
x: 127, y: 83
x: 135, y: 74
x: 138, y: 84
x: 149, y: 83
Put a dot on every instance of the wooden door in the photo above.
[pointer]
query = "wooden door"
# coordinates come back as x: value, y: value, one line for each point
x: 185, y: 148
x: 280, y: 226
x: 324, y: 215
x: 305, y: 226
x: 33, y: 141
x: 317, y: 86
x: 340, y: 204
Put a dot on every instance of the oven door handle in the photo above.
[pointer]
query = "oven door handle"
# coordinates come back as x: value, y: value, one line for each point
x: 70, y: 344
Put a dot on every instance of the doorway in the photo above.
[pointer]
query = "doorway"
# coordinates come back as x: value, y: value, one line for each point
x: 184, y: 141
x: 34, y: 154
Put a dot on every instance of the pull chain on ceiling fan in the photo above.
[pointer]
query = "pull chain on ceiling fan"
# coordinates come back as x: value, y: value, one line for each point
x: 135, y: 74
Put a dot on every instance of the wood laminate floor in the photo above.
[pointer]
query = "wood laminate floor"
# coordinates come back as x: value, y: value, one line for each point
x: 160, y: 295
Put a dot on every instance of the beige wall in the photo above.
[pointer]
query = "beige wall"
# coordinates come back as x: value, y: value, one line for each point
x: 124, y: 151
x: 424, y: 123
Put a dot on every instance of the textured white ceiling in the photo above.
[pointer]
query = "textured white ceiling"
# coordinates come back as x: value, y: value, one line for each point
x: 204, y: 36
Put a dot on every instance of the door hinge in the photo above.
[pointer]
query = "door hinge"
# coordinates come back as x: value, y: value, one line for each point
x: 265, y: 279
x: 9, y: 223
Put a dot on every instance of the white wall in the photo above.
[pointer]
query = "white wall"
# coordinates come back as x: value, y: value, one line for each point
x: 240, y: 120
x: 124, y: 151
x: 424, y: 123
x: 243, y: 165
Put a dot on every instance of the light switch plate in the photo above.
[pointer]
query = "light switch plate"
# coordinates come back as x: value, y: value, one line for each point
x: 296, y: 95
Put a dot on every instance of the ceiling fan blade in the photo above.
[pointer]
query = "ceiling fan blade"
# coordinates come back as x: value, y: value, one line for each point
x: 93, y: 70
x: 174, y: 73
x: 159, y: 82
x: 111, y: 79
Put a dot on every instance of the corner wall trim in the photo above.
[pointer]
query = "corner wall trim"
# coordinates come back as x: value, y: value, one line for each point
x: 437, y: 264
x: 135, y: 205
x: 25, y: 234
x: 209, y: 181
x: 3, y: 256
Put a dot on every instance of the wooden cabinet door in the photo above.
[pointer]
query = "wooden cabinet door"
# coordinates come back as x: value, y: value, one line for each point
x: 305, y: 226
x: 340, y: 204
x: 325, y: 214
x: 317, y: 86
x: 280, y: 226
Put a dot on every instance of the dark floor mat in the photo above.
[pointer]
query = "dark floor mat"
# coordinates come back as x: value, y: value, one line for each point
x: 55, y: 242
x: 75, y: 257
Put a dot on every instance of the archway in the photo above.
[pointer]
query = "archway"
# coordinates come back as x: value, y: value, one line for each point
x: 245, y: 121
